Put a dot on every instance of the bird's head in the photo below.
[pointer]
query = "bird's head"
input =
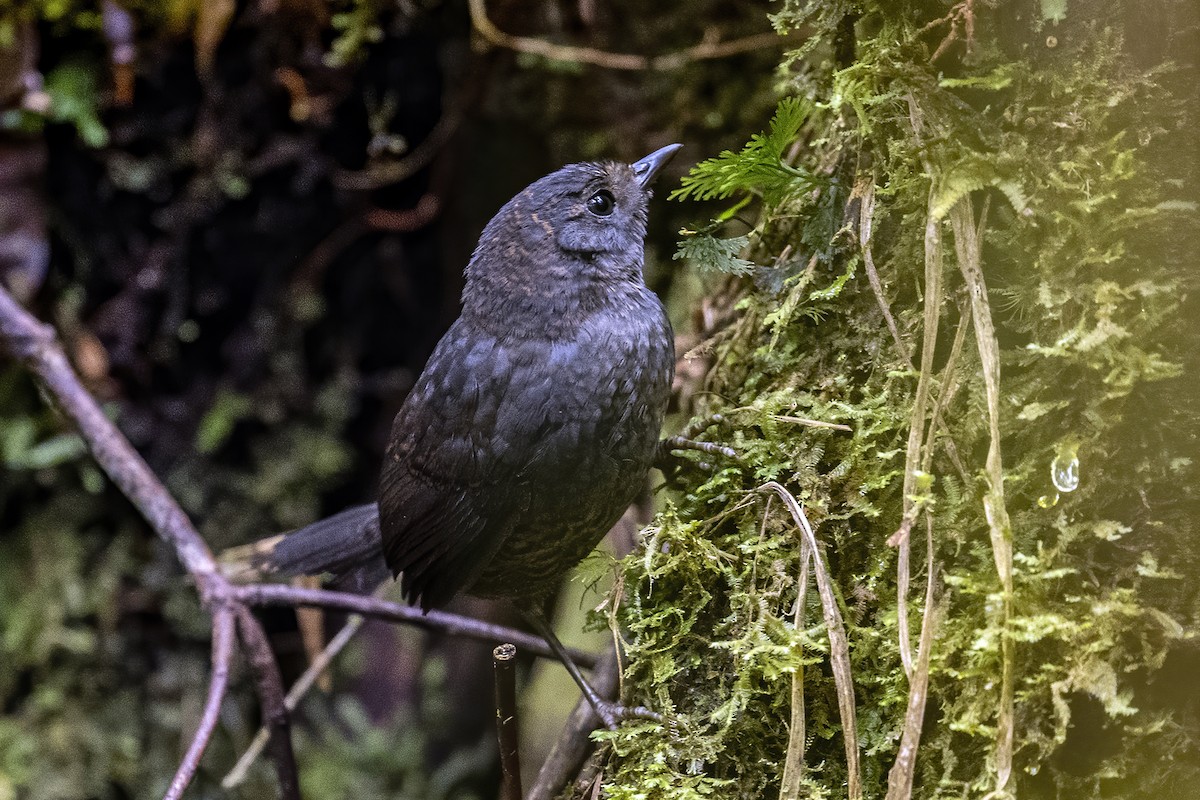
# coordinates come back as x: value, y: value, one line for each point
x: 583, y: 225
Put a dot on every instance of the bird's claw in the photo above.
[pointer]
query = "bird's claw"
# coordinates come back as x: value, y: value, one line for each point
x: 613, y: 714
x: 686, y: 440
x: 672, y: 443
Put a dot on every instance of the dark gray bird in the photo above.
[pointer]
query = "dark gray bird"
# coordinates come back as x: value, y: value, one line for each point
x: 537, y: 417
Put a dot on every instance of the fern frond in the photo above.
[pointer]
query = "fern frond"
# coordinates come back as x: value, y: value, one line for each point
x: 758, y: 167
x: 710, y: 253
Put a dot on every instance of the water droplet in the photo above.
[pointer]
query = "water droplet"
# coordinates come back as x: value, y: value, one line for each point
x: 1032, y: 770
x: 1048, y: 501
x: 1064, y: 469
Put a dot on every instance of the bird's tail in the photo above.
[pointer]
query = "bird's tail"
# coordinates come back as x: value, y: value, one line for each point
x: 346, y: 545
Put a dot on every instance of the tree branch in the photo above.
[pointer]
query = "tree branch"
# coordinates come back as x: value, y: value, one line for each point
x: 270, y: 694
x: 295, y: 694
x: 222, y: 658
x: 624, y: 61
x: 278, y: 594
x: 34, y: 344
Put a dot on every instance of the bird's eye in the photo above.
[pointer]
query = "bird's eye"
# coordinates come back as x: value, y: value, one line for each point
x: 601, y: 203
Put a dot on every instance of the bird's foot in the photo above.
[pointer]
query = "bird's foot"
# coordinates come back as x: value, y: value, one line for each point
x: 669, y: 448
x: 673, y: 443
x: 613, y: 714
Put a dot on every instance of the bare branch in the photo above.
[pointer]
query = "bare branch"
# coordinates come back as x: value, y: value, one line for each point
x: 624, y: 61
x: 900, y: 776
x: 294, y: 696
x: 811, y: 423
x: 963, y: 14
x: 34, y: 343
x: 420, y: 157
x: 866, y: 218
x: 968, y: 244
x: 270, y: 693
x: 222, y: 658
x: 931, y: 317
x: 272, y: 594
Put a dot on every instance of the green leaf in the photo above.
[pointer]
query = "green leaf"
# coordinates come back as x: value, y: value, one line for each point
x: 75, y: 100
x: 758, y: 167
x: 227, y: 409
x: 970, y: 175
x: 54, y: 451
x: 710, y: 253
x: 1054, y: 11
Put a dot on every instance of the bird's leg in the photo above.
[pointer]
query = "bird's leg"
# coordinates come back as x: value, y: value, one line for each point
x: 686, y: 440
x: 611, y: 714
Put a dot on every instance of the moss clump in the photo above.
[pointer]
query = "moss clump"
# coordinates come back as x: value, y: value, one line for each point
x: 1017, y: 386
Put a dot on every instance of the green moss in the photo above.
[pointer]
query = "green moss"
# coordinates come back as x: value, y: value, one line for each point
x: 1076, y: 153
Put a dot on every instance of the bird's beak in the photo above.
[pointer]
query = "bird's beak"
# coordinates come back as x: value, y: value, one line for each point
x: 647, y: 168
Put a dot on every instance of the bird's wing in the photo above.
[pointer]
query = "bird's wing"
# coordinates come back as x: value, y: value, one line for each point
x: 457, y: 474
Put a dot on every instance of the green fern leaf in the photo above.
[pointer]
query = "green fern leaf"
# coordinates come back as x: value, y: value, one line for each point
x: 759, y: 166
x: 710, y: 253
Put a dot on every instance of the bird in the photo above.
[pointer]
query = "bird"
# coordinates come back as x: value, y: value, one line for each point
x: 536, y: 419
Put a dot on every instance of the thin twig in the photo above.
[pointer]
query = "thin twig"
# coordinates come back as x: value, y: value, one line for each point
x: 602, y: 58
x: 793, y: 420
x: 380, y: 175
x: 274, y: 594
x: 900, y: 777
x: 866, y: 216
x: 839, y: 644
x: 949, y: 386
x: 968, y: 245
x: 295, y: 694
x: 961, y: 14
x: 917, y: 438
x: 793, y: 765
x: 222, y: 658
x: 307, y: 278
x: 504, y: 660
x: 573, y: 745
x: 711, y: 50
x: 35, y: 344
x: 270, y: 693
x: 811, y: 423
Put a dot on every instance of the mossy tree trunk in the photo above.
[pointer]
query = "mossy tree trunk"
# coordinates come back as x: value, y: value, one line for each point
x: 975, y: 243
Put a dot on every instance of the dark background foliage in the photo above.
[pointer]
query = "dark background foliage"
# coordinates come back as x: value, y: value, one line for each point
x: 254, y: 317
